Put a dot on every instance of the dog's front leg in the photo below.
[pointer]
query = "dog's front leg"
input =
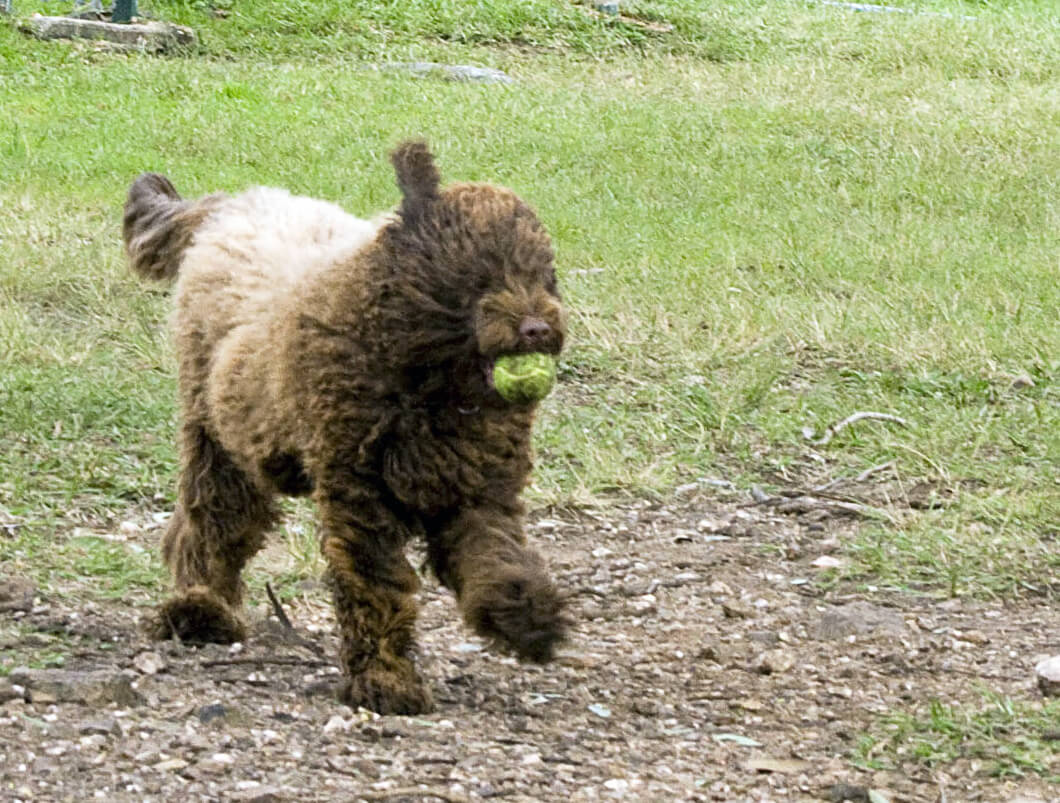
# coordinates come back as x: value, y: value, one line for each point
x: 503, y: 585
x: 373, y: 586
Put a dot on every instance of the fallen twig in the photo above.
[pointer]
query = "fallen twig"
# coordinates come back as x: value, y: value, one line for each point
x: 281, y: 660
x: 277, y: 608
x: 832, y: 429
x: 174, y: 633
x: 864, y: 475
x: 293, y: 634
x: 804, y: 504
x: 798, y: 500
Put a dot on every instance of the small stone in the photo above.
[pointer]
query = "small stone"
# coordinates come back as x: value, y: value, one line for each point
x: 1048, y: 673
x: 638, y: 588
x: 576, y: 660
x: 774, y: 662
x: 737, y: 610
x: 617, y: 785
x: 102, y: 727
x: 258, y: 794
x: 209, y: 713
x: 827, y: 562
x: 848, y: 792
x: 591, y: 610
x: 736, y: 738
x: 712, y: 652
x: 366, y: 767
x: 171, y: 765
x: 601, y: 711
x: 643, y: 606
x: 337, y: 723
x: 683, y: 578
x: 149, y: 663
x: 467, y: 646
x: 1022, y: 381
x: 765, y: 638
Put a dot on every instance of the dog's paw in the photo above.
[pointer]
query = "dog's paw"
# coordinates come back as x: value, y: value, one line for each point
x: 198, y: 616
x: 523, y: 612
x: 386, y: 691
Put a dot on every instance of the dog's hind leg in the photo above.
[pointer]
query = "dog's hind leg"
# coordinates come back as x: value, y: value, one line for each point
x: 373, y: 586
x: 502, y: 583
x: 219, y: 523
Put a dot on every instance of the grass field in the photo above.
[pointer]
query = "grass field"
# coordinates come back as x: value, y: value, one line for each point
x: 767, y: 218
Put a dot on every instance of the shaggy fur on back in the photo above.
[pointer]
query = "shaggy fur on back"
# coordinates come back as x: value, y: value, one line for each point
x: 352, y: 360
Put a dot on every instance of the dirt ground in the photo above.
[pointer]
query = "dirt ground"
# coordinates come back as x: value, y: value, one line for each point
x: 706, y: 665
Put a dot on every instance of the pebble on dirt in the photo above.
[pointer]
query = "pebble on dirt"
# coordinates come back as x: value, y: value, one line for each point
x: 1048, y: 673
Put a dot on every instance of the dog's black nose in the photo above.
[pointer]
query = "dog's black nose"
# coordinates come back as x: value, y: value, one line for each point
x: 534, y: 330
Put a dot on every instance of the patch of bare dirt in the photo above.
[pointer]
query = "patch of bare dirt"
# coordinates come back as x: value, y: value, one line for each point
x: 705, y: 666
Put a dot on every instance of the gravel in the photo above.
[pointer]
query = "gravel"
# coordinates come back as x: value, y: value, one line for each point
x: 700, y: 669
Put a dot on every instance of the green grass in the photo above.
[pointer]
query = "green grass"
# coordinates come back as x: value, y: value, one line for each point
x: 1006, y: 737
x: 773, y: 216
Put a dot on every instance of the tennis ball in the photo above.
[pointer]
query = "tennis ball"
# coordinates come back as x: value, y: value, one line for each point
x: 524, y: 378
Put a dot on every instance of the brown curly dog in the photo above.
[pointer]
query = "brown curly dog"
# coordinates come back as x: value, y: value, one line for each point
x: 327, y: 355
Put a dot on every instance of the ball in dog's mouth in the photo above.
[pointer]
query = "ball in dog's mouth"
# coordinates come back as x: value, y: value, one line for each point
x: 523, y: 378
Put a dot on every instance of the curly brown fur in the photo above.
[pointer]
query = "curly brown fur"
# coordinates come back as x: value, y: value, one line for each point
x: 323, y: 354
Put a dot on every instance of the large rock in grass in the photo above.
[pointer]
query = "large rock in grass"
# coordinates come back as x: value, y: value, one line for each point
x: 149, y: 37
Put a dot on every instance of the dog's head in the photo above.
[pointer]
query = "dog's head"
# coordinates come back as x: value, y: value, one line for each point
x: 474, y: 267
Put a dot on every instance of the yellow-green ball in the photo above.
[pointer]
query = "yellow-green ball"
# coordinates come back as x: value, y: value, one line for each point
x: 524, y: 378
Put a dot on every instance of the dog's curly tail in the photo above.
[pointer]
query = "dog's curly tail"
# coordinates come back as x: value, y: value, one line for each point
x: 158, y: 225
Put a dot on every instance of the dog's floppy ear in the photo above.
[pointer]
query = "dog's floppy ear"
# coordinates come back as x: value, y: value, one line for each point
x: 416, y: 176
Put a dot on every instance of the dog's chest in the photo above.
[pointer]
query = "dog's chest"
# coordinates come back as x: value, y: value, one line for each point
x: 437, y: 464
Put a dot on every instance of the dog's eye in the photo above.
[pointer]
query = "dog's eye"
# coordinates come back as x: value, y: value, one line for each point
x: 551, y: 284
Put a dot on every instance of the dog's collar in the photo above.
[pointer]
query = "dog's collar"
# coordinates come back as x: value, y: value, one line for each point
x: 469, y: 410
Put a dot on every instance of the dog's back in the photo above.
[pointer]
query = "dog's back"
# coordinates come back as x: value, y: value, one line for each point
x: 263, y: 235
